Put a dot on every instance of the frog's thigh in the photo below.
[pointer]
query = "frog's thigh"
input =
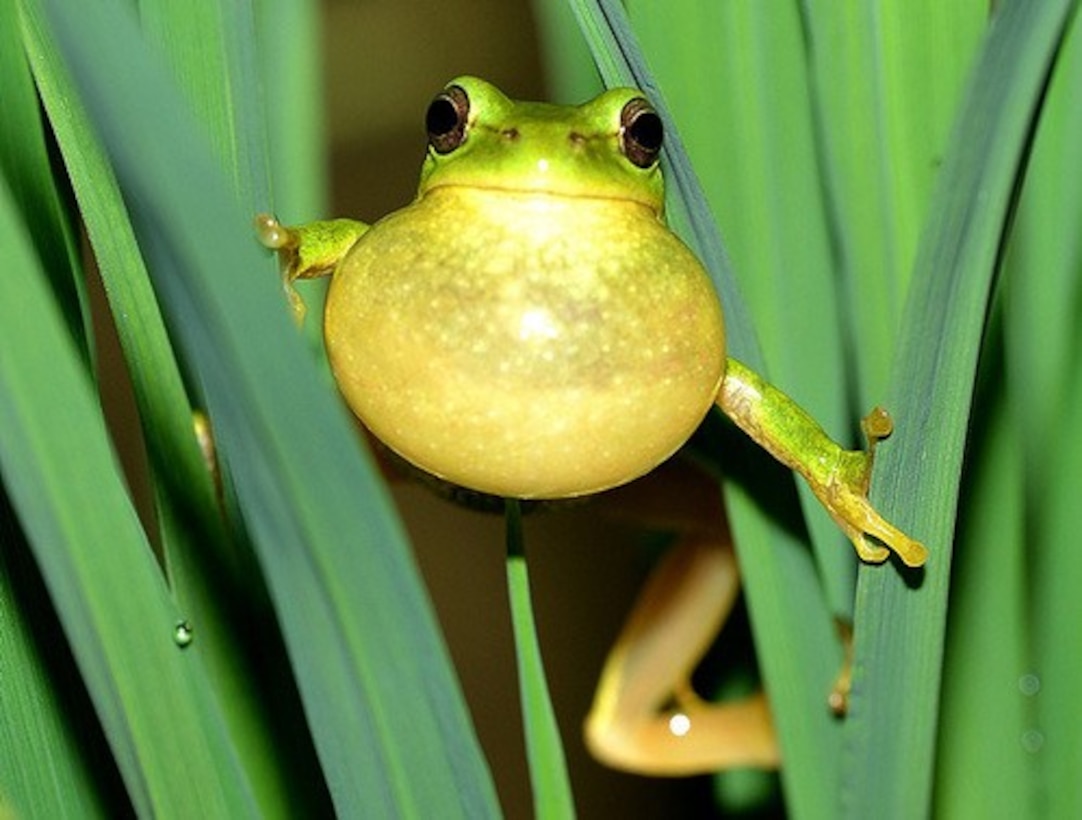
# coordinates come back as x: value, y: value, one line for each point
x: 633, y: 724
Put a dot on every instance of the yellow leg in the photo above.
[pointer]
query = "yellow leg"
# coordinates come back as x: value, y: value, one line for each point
x: 645, y: 717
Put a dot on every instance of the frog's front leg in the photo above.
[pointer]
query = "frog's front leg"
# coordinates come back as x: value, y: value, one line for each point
x: 307, y: 251
x: 838, y: 477
x: 645, y: 716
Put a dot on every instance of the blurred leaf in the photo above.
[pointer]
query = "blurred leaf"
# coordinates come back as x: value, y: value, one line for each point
x: 1044, y: 290
x: 291, y: 76
x: 43, y: 765
x: 982, y: 765
x: 24, y: 161
x: 382, y: 702
x: 569, y: 68
x: 887, y: 78
x: 203, y: 564
x: 96, y: 562
x: 211, y: 48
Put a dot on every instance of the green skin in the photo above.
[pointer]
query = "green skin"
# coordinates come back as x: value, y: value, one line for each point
x: 532, y: 280
x: 529, y: 327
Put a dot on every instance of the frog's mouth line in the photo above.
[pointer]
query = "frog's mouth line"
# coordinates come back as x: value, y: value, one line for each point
x: 549, y: 191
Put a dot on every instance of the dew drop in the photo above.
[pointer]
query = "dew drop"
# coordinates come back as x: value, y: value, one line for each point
x: 183, y: 634
x: 1029, y: 684
x: 1032, y: 740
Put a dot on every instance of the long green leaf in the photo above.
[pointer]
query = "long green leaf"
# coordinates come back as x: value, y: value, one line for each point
x: 290, y: 39
x: 62, y: 477
x: 43, y: 768
x: 752, y: 104
x: 212, y: 51
x: 900, y: 638
x: 202, y: 563
x: 887, y: 76
x: 1044, y: 352
x: 544, y: 751
x: 164, y: 409
x: 771, y: 557
x: 982, y: 765
x: 385, y: 711
x: 24, y: 160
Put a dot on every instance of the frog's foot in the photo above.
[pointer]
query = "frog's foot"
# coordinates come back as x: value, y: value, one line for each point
x: 838, y: 699
x: 877, y: 425
x: 274, y: 235
x: 204, y: 437
x: 845, y: 495
x: 307, y: 251
x: 286, y: 243
x: 208, y: 449
x: 692, y: 737
x: 645, y: 717
x: 839, y: 478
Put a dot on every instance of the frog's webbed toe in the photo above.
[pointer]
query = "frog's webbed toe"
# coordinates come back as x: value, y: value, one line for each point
x: 307, y: 251
x: 845, y: 496
x: 285, y: 242
x: 838, y: 477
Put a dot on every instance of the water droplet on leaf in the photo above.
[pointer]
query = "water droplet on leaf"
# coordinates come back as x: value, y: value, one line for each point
x: 1032, y: 740
x: 1029, y: 684
x: 183, y: 634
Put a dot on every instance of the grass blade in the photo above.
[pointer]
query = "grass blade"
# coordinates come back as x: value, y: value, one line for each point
x: 544, y: 750
x: 291, y: 74
x: 983, y: 768
x: 1044, y: 283
x: 211, y: 49
x: 380, y: 697
x: 160, y: 395
x: 899, y: 645
x: 200, y: 560
x: 887, y: 77
x: 24, y: 161
x: 771, y: 557
x: 43, y: 768
x: 96, y: 561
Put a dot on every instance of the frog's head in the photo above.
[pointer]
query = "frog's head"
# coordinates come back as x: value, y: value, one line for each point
x: 607, y: 148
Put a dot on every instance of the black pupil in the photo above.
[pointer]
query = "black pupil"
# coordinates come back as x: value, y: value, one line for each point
x: 646, y: 130
x: 442, y: 117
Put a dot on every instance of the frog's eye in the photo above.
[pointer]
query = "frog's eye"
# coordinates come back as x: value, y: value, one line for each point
x: 446, y: 119
x: 641, y: 133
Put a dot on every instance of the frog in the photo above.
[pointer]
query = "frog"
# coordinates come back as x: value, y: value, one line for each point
x: 529, y: 327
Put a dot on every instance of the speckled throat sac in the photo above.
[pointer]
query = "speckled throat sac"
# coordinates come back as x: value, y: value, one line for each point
x: 522, y: 357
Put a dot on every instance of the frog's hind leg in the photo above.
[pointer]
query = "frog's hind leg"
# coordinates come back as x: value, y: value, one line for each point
x: 646, y: 718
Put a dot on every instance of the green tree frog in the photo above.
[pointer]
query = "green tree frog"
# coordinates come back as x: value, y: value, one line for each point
x: 529, y: 327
